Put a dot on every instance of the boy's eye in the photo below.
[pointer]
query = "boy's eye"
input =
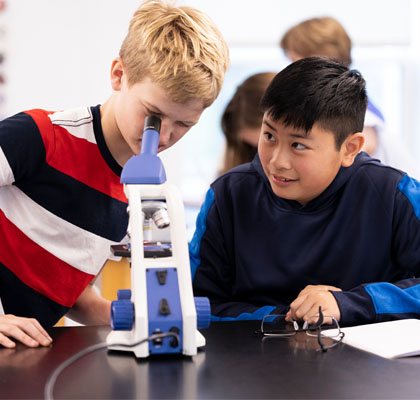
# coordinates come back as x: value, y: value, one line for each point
x: 151, y: 112
x: 183, y: 125
x: 298, y: 146
x: 269, y: 136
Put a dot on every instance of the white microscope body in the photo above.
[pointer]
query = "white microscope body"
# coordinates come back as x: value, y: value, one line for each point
x: 161, y: 298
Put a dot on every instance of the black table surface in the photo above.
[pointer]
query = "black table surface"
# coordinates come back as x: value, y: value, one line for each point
x: 235, y: 363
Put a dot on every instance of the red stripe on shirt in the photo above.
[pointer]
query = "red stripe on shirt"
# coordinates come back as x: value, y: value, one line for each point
x: 45, y: 128
x: 46, y: 273
x: 77, y: 158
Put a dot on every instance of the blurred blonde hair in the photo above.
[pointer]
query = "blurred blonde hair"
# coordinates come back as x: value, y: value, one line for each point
x: 323, y: 36
x: 179, y: 48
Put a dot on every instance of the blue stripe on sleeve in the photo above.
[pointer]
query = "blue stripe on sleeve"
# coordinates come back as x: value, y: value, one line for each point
x: 411, y: 189
x: 256, y: 315
x: 194, y: 246
x: 390, y: 299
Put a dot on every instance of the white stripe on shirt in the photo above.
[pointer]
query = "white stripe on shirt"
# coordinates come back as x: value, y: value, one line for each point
x: 1, y: 308
x: 6, y: 173
x: 77, y: 247
x: 77, y: 122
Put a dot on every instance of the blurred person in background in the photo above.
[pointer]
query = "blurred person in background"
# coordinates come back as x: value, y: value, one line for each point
x: 241, y: 121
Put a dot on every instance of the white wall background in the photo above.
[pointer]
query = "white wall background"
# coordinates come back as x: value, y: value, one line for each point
x: 60, y: 51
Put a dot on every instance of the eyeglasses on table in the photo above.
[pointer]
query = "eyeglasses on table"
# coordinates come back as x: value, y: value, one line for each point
x: 275, y: 325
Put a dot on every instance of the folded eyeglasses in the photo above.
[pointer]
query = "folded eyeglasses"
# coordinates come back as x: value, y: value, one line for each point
x: 275, y: 325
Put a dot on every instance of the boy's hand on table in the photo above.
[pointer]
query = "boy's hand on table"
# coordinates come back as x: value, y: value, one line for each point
x: 27, y: 330
x: 306, y: 305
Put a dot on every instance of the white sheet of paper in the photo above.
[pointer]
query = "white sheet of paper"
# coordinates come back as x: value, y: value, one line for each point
x: 392, y: 339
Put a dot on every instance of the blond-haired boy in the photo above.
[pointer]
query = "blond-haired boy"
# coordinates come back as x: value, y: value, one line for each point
x: 61, y: 202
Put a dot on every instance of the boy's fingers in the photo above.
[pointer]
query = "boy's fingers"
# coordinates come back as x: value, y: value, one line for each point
x: 6, y: 342
x: 296, y: 303
x: 39, y: 329
x: 299, y: 306
x: 27, y: 330
x: 329, y: 309
x: 303, y: 308
x: 312, y: 315
x: 18, y: 334
x: 33, y: 329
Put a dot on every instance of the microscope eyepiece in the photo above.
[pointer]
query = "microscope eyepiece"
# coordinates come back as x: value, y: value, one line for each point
x: 152, y: 122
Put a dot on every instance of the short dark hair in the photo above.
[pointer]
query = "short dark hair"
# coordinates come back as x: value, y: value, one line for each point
x: 318, y: 90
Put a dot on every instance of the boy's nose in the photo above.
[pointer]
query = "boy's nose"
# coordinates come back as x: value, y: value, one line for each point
x: 165, y: 134
x: 281, y: 160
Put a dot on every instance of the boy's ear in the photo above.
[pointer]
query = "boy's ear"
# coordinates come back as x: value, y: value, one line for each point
x: 117, y: 72
x: 351, y: 148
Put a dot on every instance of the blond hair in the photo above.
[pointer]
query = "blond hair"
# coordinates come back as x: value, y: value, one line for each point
x: 323, y: 36
x: 179, y: 48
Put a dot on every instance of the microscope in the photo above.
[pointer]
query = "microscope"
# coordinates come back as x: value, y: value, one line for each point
x: 161, y: 298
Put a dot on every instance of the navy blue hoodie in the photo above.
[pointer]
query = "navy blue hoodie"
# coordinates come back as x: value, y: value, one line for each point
x: 253, y: 252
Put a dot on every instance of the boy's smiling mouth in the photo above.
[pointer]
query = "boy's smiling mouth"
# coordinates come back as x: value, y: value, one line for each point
x: 282, y: 181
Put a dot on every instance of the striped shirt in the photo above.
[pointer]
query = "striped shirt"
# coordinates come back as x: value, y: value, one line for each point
x: 61, y: 207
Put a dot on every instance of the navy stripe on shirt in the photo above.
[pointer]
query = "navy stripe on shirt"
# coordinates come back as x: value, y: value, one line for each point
x: 19, y: 299
x: 23, y: 160
x: 100, y: 140
x: 62, y: 189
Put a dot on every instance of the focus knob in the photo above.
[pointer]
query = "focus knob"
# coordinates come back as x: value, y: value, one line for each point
x: 202, y: 306
x: 122, y: 312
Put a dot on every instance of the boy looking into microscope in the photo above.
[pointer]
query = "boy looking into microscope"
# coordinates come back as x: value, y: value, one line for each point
x: 61, y: 202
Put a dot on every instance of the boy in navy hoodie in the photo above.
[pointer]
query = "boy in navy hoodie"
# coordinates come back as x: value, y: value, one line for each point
x: 311, y: 221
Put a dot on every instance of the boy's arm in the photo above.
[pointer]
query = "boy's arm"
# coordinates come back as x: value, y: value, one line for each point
x: 18, y: 162
x: 90, y: 308
x: 213, y: 271
x: 367, y: 303
x: 382, y: 301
